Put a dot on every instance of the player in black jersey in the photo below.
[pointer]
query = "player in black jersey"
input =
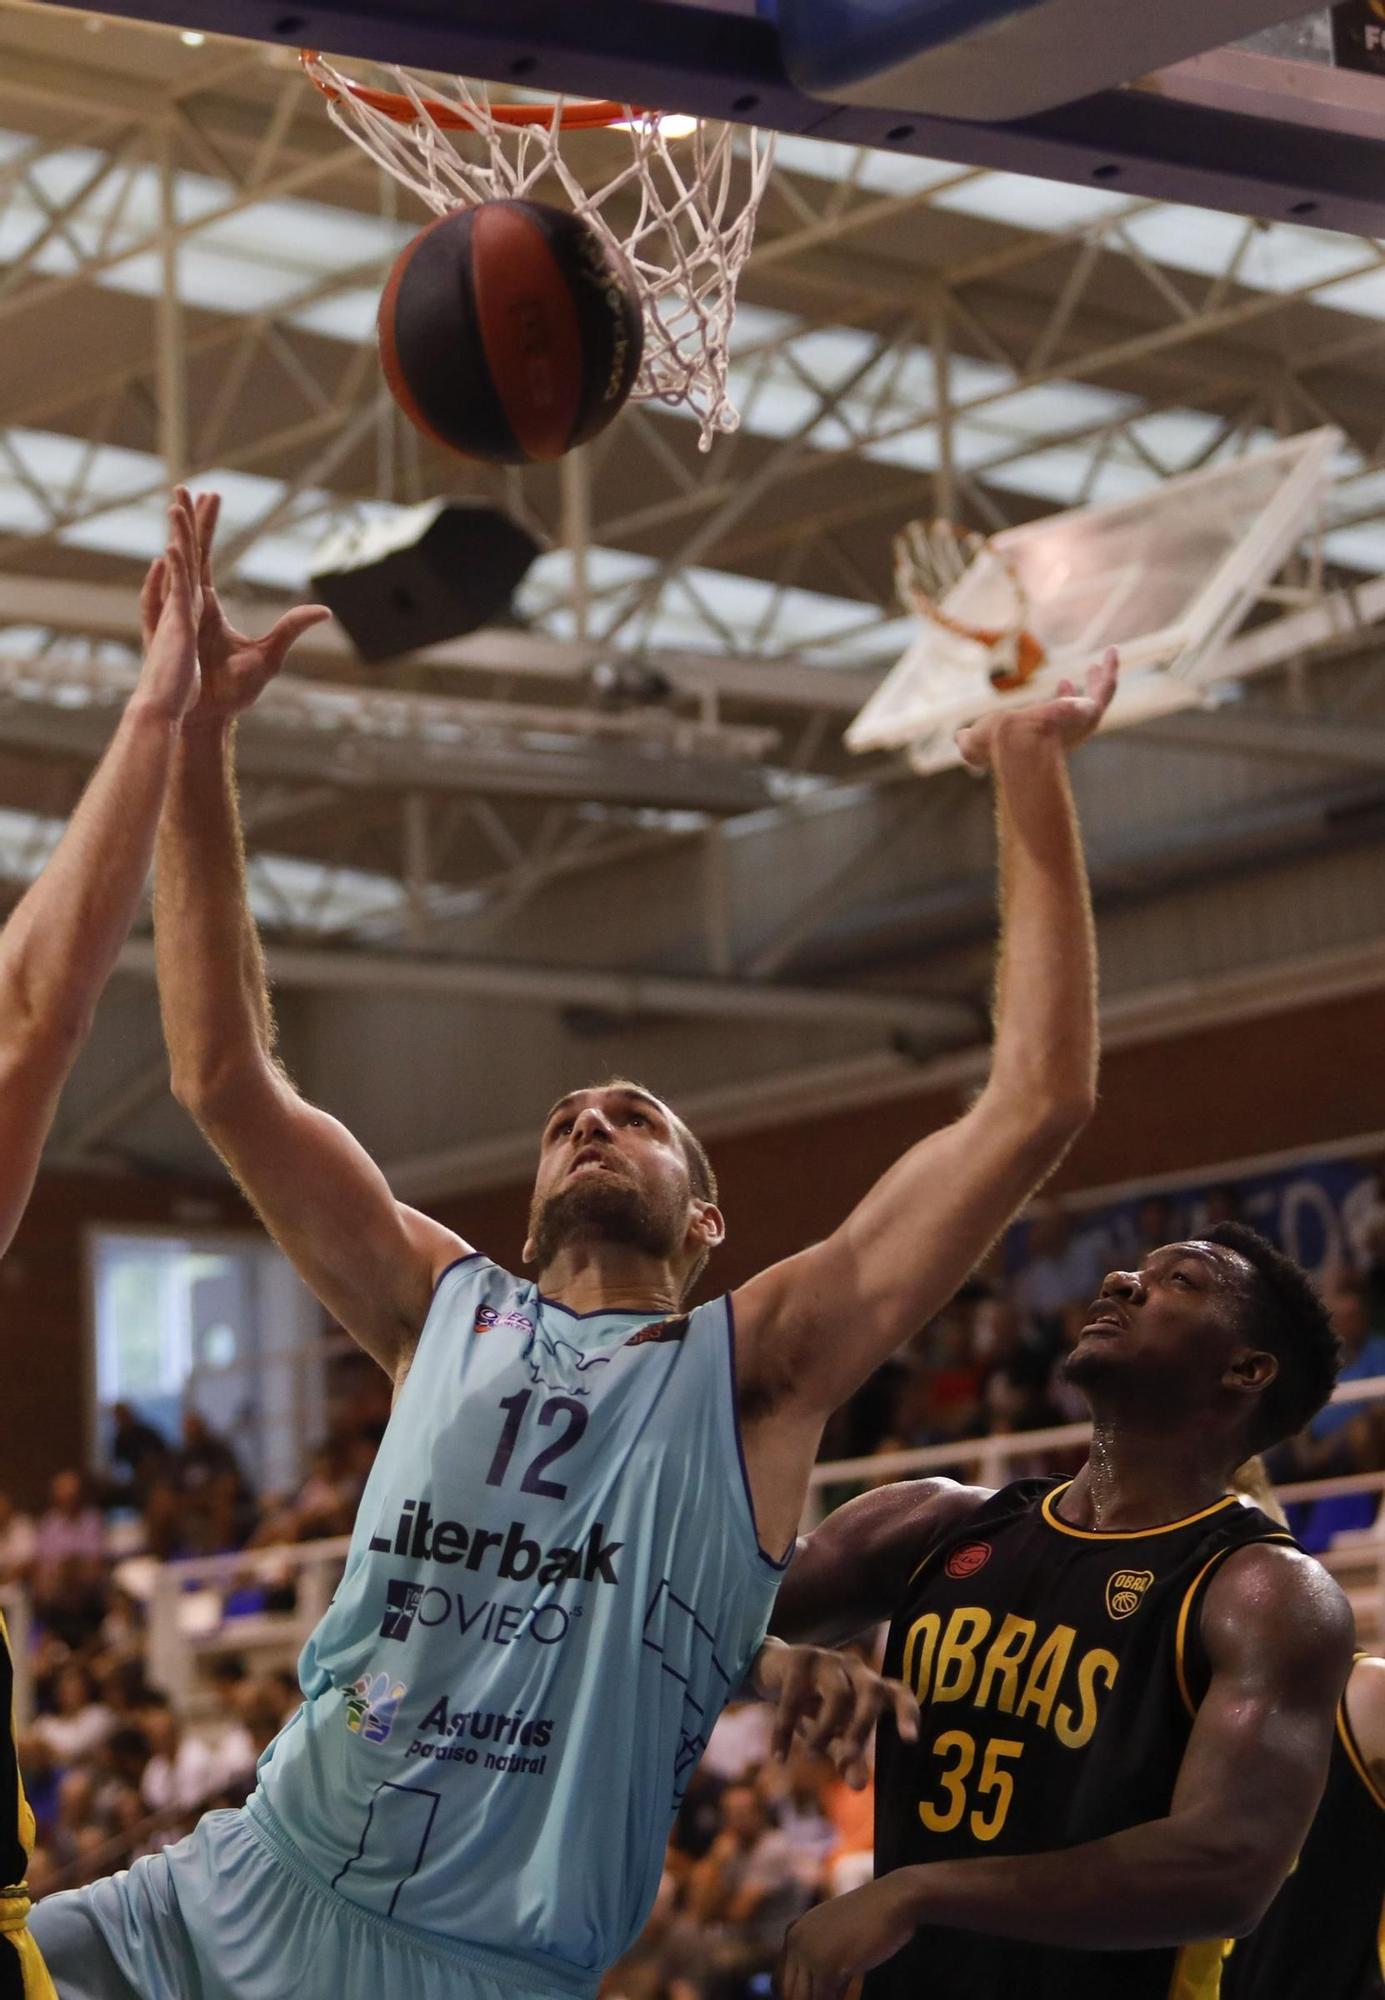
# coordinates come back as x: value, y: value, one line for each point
x: 1128, y: 1681
x: 1320, y: 1938
x: 56, y: 953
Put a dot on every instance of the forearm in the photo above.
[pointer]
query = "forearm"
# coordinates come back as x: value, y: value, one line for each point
x: 62, y: 941
x: 1155, y: 1885
x: 1045, y: 1042
x: 212, y: 984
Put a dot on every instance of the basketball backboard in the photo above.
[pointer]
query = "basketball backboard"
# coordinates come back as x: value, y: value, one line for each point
x: 1270, y: 128
x: 1166, y: 577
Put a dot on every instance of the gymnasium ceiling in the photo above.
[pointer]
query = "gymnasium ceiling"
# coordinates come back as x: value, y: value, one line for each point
x: 477, y: 884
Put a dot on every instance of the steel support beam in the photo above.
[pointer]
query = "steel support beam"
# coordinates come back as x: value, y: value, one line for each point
x: 630, y: 996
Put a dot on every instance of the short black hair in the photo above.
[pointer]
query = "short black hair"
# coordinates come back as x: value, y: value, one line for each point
x: 1288, y: 1317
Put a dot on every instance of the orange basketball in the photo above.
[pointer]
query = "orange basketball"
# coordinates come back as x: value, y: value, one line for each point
x: 510, y: 331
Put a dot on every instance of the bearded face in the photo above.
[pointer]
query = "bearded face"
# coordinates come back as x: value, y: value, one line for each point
x: 607, y: 1204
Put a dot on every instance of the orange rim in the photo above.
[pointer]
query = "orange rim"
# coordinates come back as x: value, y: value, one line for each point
x: 586, y: 114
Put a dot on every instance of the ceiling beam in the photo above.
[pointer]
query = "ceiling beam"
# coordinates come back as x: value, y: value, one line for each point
x: 626, y: 995
x: 112, y: 611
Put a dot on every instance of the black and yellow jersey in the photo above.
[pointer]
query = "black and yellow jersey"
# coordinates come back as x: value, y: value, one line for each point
x: 1058, y: 1670
x: 22, y: 1972
x: 1320, y: 1938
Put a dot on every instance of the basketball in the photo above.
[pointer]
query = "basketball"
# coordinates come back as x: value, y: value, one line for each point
x: 510, y: 331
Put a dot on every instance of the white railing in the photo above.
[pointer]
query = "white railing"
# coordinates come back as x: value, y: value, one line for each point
x: 988, y: 1458
x: 188, y: 1623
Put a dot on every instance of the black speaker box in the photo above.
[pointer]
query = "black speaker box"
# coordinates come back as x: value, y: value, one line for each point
x: 434, y: 573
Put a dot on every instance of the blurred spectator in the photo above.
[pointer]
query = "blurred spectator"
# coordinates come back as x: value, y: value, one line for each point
x: 739, y: 1739
x: 1223, y: 1205
x: 793, y: 1792
x: 140, y: 1449
x: 76, y: 1817
x: 1061, y: 1268
x: 1363, y: 1221
x: 70, y: 1530
x: 746, y: 1891
x: 18, y: 1542
x: 183, y: 1769
x: 1013, y: 1395
x: 1156, y: 1222
x: 1363, y: 1355
x: 851, y: 1861
x: 79, y: 1722
x: 215, y: 1500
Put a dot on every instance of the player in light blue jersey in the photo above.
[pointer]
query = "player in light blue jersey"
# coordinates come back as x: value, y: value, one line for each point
x: 568, y: 1548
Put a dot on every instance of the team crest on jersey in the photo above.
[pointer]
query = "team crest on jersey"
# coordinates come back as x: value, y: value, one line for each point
x: 487, y: 1316
x: 661, y: 1330
x: 1125, y: 1590
x: 372, y: 1705
x: 967, y: 1560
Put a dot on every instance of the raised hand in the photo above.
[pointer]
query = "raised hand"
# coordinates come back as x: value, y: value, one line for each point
x: 1068, y: 716
x: 831, y: 1702
x: 235, y: 668
x: 170, y: 613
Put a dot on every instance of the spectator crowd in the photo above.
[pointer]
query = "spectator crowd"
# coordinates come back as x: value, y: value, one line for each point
x: 113, y: 1771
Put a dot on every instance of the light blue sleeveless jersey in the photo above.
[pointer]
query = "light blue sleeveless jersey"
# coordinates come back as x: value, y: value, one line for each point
x: 554, y: 1584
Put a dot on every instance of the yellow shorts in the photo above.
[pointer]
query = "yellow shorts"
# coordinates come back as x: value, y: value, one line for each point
x: 23, y: 1974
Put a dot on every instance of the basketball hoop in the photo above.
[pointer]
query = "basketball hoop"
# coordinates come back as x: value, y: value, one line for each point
x: 930, y: 560
x: 689, y: 202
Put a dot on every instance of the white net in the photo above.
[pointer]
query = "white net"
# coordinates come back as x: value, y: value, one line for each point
x: 681, y: 209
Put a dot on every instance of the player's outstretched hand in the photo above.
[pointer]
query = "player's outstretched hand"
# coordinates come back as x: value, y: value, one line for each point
x: 1069, y: 716
x: 833, y: 1944
x: 170, y: 606
x: 235, y: 669
x: 830, y: 1702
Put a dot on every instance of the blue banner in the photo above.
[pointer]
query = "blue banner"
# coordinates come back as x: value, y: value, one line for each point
x: 1321, y: 1213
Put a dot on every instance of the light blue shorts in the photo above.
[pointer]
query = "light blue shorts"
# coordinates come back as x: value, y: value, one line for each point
x: 227, y: 1915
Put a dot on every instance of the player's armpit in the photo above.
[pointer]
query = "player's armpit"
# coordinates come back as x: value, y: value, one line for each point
x: 371, y: 1261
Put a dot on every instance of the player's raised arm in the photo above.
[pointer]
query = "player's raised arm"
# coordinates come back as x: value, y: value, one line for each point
x: 1278, y: 1634
x: 813, y: 1327
x: 61, y: 943
x: 371, y: 1261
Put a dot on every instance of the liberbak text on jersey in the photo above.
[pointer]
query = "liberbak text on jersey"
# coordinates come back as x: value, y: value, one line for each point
x: 420, y: 1537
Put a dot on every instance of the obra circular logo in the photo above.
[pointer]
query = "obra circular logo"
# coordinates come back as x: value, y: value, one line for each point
x: 1125, y: 1591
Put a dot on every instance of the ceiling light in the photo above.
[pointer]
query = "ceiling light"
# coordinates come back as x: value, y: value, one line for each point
x: 192, y: 38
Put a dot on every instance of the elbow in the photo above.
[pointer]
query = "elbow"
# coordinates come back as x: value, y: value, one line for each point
x: 34, y: 1016
x: 1231, y: 1888
x: 1048, y: 1110
x: 209, y: 1092
x: 1052, y: 1119
x: 1067, y: 1114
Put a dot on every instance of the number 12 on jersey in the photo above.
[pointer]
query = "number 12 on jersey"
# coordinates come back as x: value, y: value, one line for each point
x: 565, y: 1410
